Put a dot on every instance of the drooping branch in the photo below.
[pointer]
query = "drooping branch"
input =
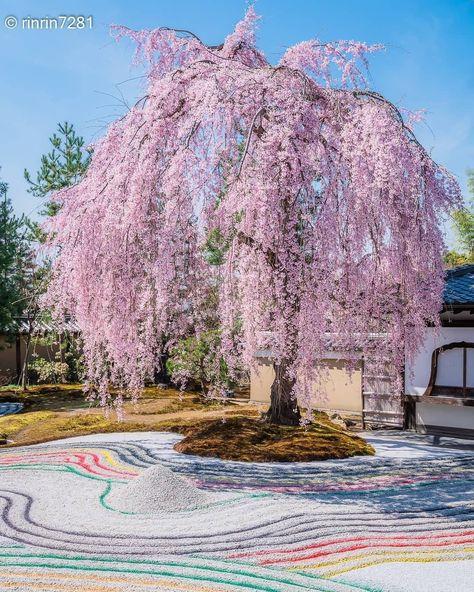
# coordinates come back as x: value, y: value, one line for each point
x: 320, y: 179
x: 270, y: 255
x: 260, y: 112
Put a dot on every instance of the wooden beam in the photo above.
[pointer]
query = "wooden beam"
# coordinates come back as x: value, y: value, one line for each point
x: 456, y: 401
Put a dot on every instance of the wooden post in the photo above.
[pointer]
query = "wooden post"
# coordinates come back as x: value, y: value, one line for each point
x: 362, y: 368
x: 409, y: 420
x: 464, y: 371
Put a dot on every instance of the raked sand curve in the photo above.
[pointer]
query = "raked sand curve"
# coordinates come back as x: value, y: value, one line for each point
x: 402, y: 521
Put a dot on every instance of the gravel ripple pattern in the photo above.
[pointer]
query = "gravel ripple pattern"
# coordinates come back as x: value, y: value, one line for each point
x: 127, y: 512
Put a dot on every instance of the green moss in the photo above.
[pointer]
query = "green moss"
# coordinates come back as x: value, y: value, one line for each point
x: 12, y: 424
x: 247, y: 439
x: 237, y: 435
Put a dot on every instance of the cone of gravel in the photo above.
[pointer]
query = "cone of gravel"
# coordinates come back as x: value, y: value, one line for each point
x: 157, y: 490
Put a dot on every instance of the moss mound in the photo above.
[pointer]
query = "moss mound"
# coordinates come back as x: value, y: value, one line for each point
x: 11, y: 424
x: 252, y: 440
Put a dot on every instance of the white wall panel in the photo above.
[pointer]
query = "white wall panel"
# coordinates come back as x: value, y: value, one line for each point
x: 450, y: 416
x: 417, y: 374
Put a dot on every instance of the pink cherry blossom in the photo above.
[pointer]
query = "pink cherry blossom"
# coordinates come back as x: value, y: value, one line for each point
x: 331, y: 209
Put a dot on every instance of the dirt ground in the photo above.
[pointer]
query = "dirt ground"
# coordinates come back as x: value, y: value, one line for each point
x: 60, y: 411
x: 228, y: 429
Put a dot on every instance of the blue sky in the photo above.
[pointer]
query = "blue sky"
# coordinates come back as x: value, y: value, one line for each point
x: 51, y: 76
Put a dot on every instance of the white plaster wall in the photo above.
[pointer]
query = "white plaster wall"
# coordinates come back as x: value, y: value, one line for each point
x: 452, y: 416
x: 417, y: 374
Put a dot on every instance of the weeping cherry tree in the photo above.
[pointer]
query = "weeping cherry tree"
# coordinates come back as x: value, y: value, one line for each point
x: 329, y: 207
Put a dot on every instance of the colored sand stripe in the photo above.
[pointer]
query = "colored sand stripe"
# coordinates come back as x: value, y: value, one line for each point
x: 279, y: 528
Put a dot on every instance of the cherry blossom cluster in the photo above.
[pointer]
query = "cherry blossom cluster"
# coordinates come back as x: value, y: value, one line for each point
x: 329, y: 208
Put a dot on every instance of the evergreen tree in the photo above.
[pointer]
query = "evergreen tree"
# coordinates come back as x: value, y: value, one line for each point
x: 464, y: 220
x: 16, y: 262
x: 62, y: 167
x: 464, y: 228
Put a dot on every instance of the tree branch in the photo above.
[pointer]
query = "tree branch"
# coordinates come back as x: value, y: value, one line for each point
x: 249, y: 137
x: 272, y: 259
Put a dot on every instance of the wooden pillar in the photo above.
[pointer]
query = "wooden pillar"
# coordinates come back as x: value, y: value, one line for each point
x: 362, y: 370
x: 409, y: 420
x: 464, y: 371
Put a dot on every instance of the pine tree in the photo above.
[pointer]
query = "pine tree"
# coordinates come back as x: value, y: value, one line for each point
x: 16, y: 262
x: 62, y: 167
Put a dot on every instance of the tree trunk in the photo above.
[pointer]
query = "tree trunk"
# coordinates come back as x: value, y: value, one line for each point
x: 284, y: 409
x: 18, y: 355
x: 24, y: 371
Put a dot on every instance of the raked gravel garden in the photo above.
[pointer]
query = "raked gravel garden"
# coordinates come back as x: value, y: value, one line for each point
x: 128, y: 512
x: 246, y: 211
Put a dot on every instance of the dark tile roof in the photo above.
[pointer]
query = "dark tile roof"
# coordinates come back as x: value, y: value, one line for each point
x: 459, y: 288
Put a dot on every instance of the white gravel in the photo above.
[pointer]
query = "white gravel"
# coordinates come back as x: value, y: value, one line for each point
x: 157, y: 490
x: 446, y: 576
x: 127, y: 512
